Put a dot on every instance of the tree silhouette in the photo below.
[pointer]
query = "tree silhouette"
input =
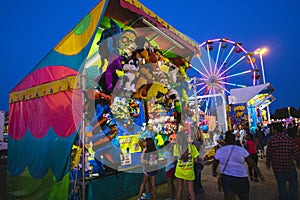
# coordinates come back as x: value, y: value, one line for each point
x: 283, y: 113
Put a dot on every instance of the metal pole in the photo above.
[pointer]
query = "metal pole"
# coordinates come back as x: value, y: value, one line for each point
x: 83, y: 135
x: 225, y: 114
x: 264, y: 80
x: 196, y: 101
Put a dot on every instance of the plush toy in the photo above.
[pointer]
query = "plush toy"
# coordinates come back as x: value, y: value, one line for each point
x: 182, y: 64
x: 131, y: 68
x: 145, y: 75
x: 141, y: 92
x: 109, y: 79
x: 146, y: 131
x: 120, y: 108
x: 142, y: 49
x: 108, y: 43
x: 157, y: 91
x: 148, y: 58
x: 172, y: 74
x: 133, y: 108
x: 160, y: 140
x: 161, y: 77
x: 204, y: 126
x: 127, y: 41
x: 172, y: 138
x: 173, y: 101
x: 182, y: 86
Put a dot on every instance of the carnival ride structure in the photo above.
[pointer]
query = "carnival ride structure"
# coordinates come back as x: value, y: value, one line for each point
x: 225, y: 64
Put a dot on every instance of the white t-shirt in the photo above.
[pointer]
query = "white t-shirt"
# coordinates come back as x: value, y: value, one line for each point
x: 215, y: 139
x: 236, y: 163
x: 242, y: 135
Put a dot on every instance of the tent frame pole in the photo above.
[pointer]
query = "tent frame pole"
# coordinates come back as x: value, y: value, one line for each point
x: 83, y: 135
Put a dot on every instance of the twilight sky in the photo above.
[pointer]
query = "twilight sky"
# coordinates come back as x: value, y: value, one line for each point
x: 30, y: 29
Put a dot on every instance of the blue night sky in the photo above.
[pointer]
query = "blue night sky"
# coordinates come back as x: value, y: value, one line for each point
x: 30, y: 29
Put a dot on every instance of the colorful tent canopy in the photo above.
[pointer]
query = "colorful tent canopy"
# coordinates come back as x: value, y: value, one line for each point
x: 46, y: 106
x: 243, y: 95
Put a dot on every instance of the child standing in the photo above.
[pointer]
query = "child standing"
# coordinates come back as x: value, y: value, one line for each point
x: 187, y: 155
x: 169, y: 162
x: 149, y: 160
x: 251, y: 147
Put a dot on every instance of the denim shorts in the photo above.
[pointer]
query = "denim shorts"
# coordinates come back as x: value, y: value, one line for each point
x: 238, y: 185
x: 152, y: 173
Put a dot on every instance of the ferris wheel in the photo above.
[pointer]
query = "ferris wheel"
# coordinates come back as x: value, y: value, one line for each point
x: 222, y: 65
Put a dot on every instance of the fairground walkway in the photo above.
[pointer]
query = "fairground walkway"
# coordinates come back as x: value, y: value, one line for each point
x: 266, y: 190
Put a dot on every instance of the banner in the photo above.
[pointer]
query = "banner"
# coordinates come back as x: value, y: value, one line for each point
x: 238, y: 114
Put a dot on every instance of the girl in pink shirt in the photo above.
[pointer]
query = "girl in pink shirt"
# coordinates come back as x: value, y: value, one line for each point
x: 251, y: 146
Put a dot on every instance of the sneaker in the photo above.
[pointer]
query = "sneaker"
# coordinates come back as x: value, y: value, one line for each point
x: 146, y: 196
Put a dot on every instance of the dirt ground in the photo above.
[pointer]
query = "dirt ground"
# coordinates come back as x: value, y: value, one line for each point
x: 266, y: 190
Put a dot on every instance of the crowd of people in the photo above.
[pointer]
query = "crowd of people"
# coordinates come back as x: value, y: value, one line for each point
x: 235, y: 162
x: 278, y: 143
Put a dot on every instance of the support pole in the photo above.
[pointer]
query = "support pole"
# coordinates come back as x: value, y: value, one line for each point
x: 264, y: 80
x: 82, y: 134
x: 196, y: 101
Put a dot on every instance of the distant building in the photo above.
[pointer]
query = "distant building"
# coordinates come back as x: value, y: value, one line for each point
x: 3, y: 126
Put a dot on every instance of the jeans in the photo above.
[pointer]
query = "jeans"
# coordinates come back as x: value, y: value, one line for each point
x: 291, y: 192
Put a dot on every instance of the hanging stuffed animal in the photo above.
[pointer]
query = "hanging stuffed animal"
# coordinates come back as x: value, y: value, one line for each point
x: 172, y: 74
x: 173, y: 100
x: 204, y: 126
x: 182, y: 64
x: 127, y: 41
x: 148, y: 58
x: 131, y: 68
x: 109, y: 79
x: 182, y: 86
x: 108, y: 43
x: 142, y: 49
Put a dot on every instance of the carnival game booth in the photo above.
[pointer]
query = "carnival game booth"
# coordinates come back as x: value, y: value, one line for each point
x: 249, y: 105
x: 118, y: 76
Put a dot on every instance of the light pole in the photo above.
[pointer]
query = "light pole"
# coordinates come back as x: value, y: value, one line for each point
x: 261, y: 52
x: 289, y: 111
